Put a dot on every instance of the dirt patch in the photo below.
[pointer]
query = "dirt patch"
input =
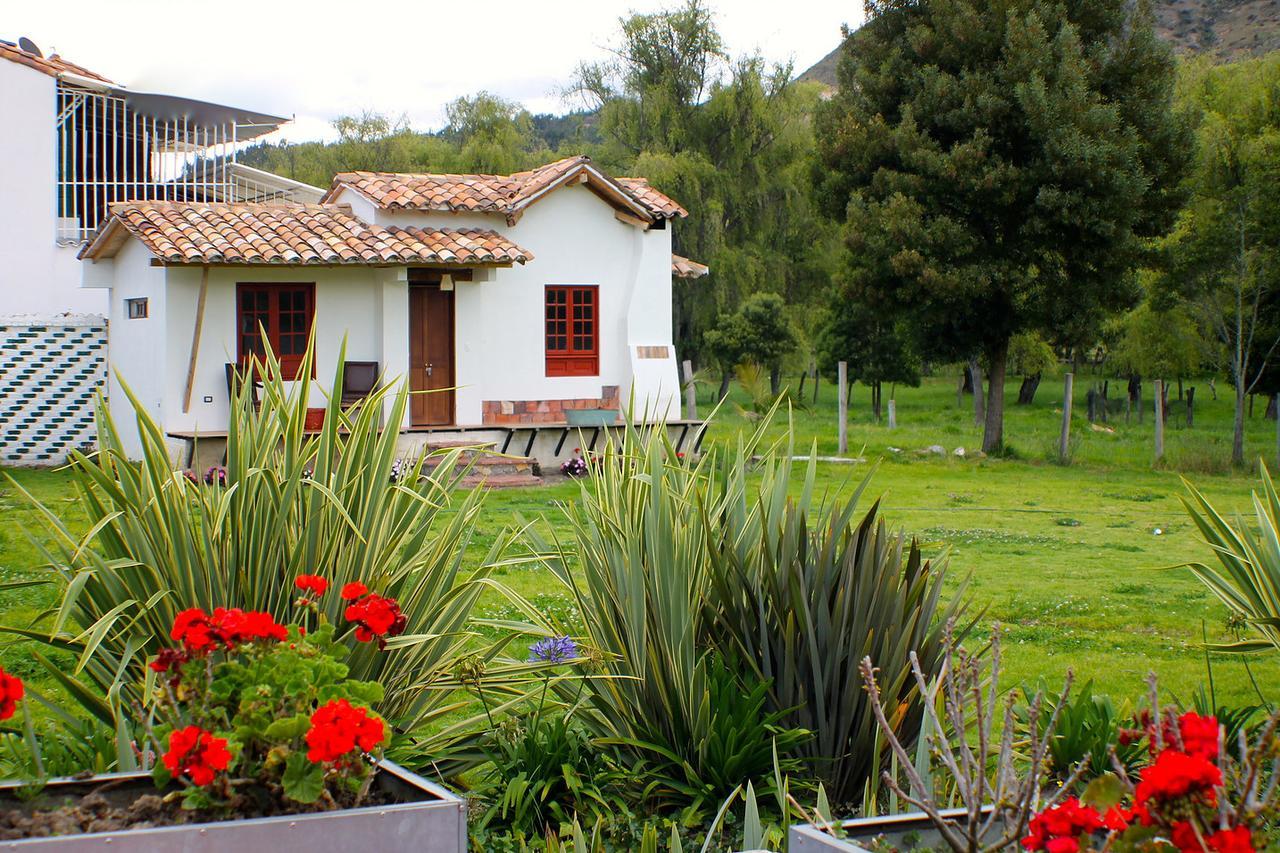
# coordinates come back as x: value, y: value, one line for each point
x: 113, y: 807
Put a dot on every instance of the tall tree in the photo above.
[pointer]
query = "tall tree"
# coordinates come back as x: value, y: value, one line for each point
x: 1226, y: 248
x: 728, y: 136
x: 877, y: 347
x: 999, y: 165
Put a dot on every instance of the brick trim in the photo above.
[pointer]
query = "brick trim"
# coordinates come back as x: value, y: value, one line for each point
x: 503, y: 412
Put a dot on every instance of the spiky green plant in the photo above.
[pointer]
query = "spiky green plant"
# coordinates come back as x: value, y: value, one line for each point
x: 800, y: 592
x: 685, y: 729
x: 1247, y: 578
x: 293, y: 503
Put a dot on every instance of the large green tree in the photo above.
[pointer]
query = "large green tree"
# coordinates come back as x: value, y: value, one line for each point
x: 1226, y: 248
x: 999, y: 166
x: 731, y: 138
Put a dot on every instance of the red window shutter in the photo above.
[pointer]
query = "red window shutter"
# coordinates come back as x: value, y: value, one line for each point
x: 572, y: 330
x: 285, y: 312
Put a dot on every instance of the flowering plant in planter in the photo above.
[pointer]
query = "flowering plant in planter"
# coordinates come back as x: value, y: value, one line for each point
x: 1195, y: 795
x: 575, y: 467
x: 254, y: 713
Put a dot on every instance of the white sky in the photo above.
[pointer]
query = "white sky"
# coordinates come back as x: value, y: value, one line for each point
x: 321, y: 59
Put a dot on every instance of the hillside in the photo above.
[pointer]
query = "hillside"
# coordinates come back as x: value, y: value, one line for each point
x: 1226, y: 29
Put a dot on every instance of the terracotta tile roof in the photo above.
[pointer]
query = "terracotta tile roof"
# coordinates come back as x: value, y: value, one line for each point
x: 660, y: 203
x: 194, y: 232
x: 53, y: 65
x: 505, y: 194
x: 685, y: 268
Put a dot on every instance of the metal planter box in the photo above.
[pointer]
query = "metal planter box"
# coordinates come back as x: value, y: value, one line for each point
x: 430, y: 820
x: 898, y: 830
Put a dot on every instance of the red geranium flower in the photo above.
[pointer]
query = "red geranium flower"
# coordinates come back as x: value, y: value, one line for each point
x: 1175, y: 775
x: 1199, y: 735
x: 339, y: 729
x: 11, y: 691
x: 196, y: 753
x: 313, y: 584
x: 1237, y: 840
x: 376, y: 616
x: 200, y: 632
x: 353, y: 590
x: 1059, y: 829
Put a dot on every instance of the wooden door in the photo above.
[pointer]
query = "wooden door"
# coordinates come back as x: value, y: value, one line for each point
x: 431, y: 355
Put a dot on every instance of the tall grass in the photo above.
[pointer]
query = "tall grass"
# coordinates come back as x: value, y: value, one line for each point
x: 293, y: 503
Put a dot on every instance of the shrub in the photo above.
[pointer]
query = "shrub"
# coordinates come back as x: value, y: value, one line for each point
x: 637, y: 564
x: 1088, y: 727
x: 293, y: 503
x: 799, y: 593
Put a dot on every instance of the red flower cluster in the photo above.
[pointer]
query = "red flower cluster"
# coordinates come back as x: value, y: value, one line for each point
x: 196, y: 753
x: 199, y: 632
x: 374, y: 615
x: 11, y: 691
x: 1174, y: 776
x: 1059, y: 829
x: 311, y: 584
x: 338, y: 729
x: 1238, y: 840
x: 352, y: 591
x: 1199, y: 735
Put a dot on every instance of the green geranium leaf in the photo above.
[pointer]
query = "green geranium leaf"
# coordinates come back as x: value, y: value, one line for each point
x: 1104, y: 792
x: 161, y: 776
x: 303, y: 779
x: 288, y: 728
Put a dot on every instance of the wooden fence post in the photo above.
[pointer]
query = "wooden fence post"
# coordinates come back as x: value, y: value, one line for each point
x: 893, y: 413
x: 1064, y: 440
x: 842, y: 392
x: 1159, y: 397
x: 690, y: 392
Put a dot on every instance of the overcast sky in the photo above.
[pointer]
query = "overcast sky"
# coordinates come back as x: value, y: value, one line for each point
x: 321, y: 59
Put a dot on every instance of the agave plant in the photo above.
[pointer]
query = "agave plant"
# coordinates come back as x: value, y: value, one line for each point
x: 1247, y: 579
x: 636, y: 560
x: 293, y: 503
x: 799, y: 593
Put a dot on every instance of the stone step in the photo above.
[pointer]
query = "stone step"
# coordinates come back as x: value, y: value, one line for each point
x: 500, y: 481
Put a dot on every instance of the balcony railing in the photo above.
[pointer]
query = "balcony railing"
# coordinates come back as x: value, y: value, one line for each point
x: 109, y: 151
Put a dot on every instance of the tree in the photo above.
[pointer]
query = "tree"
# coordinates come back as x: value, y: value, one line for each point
x: 1029, y: 356
x: 493, y: 135
x: 877, y: 347
x: 730, y: 137
x: 1226, y: 249
x: 758, y: 332
x: 1158, y: 341
x: 998, y: 165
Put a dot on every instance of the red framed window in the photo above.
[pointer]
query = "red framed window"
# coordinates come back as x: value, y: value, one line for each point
x: 573, y: 330
x: 285, y: 312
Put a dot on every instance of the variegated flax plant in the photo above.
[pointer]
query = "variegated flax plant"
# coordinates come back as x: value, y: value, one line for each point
x: 293, y: 502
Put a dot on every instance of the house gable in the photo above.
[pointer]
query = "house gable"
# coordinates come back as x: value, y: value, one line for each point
x: 509, y: 195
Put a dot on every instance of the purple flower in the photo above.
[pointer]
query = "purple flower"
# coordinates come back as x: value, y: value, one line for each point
x: 216, y: 475
x: 553, y: 650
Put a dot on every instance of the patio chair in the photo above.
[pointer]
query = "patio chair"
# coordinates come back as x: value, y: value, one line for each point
x: 237, y: 374
x: 359, y: 380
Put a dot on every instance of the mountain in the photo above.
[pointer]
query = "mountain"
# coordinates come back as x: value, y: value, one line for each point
x: 1225, y: 29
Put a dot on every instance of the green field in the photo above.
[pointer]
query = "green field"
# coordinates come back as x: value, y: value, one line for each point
x: 1073, y: 560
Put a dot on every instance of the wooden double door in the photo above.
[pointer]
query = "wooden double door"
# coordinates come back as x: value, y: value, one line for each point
x: 431, y: 348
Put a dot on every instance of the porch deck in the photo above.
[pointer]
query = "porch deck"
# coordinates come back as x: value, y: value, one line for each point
x: 543, y: 443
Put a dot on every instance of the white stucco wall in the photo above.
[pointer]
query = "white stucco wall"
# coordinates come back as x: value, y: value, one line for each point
x: 37, y: 276
x: 351, y: 301
x: 136, y: 349
x: 575, y: 239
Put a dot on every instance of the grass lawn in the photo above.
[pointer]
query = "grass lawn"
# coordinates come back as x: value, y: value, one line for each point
x: 1072, y: 560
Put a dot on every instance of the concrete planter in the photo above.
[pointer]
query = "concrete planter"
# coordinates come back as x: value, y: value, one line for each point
x: 591, y: 417
x: 431, y: 819
x: 905, y: 831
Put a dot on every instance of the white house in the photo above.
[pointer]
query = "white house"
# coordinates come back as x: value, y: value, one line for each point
x: 74, y: 142
x: 515, y: 299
